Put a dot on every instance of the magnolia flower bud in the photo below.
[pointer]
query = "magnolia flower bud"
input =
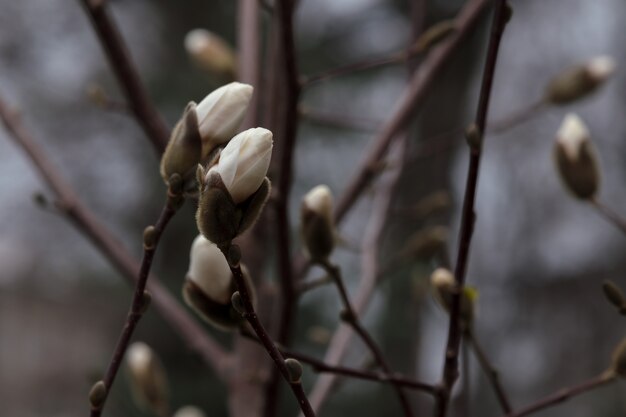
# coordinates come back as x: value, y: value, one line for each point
x: 618, y: 365
x: 444, y: 284
x: 220, y: 113
x: 579, y: 81
x: 316, y: 217
x: 209, y: 285
x: 210, y: 52
x: 243, y: 163
x: 184, y: 149
x: 234, y: 190
x: 576, y: 158
x: 189, y: 411
x: 148, y: 380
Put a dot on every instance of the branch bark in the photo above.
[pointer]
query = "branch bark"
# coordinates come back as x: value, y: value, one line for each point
x: 126, y: 74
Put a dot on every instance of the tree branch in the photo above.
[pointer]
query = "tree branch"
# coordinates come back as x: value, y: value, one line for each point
x: 139, y: 302
x: 450, y: 369
x: 178, y: 318
x: 232, y: 254
x: 415, y: 94
x: 126, y: 74
x: 565, y: 394
x: 349, y: 316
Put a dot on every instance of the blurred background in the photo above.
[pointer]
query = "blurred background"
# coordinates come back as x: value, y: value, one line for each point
x: 538, y: 256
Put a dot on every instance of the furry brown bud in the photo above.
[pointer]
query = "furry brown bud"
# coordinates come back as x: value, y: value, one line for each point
x: 618, y: 366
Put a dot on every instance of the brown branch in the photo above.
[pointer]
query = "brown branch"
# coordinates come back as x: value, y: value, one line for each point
x: 341, y: 121
x: 323, y: 367
x: 490, y: 371
x: 608, y: 213
x: 232, y: 254
x: 126, y: 74
x: 370, y: 273
x: 287, y: 132
x: 414, y: 96
x: 138, y: 304
x: 565, y: 394
x: 349, y: 69
x: 349, y: 316
x: 382, y: 377
x: 451, y: 353
x: 179, y: 319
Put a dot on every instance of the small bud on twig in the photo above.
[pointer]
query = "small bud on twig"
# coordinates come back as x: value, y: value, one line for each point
x: 445, y: 286
x: 146, y: 299
x: 614, y: 294
x: 579, y: 81
x: 474, y: 137
x: 97, y: 395
x: 149, y: 238
x: 211, y: 53
x: 576, y: 158
x: 148, y: 379
x: 295, y: 370
x: 189, y: 411
x: 317, y: 225
x: 237, y: 303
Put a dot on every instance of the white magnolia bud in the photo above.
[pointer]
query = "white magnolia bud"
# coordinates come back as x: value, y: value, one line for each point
x: 209, y: 270
x: 148, y: 380
x: 210, y: 52
x: 189, y: 411
x: 575, y: 157
x: 579, y: 81
x: 444, y: 284
x: 318, y: 231
x: 220, y: 113
x: 243, y: 163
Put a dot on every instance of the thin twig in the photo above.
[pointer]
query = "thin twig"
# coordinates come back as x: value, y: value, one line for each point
x: 341, y: 121
x: 322, y: 367
x: 369, y: 276
x: 565, y: 394
x: 350, y: 317
x: 415, y: 94
x: 137, y: 306
x: 250, y: 315
x: 490, y: 371
x: 450, y: 369
x: 287, y: 135
x: 68, y: 201
x: 126, y: 74
x: 355, y: 67
x: 382, y: 377
x: 608, y: 213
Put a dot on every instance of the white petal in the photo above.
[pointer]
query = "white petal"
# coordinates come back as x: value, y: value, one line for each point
x: 571, y: 135
x: 221, y: 112
x: 320, y: 201
x: 209, y: 270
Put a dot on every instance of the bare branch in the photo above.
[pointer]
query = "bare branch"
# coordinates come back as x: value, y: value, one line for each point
x: 179, y: 319
x: 451, y: 352
x: 127, y: 75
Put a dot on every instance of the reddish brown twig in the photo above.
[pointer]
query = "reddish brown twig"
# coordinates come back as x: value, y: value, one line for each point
x: 233, y: 255
x: 126, y: 74
x: 137, y: 307
x: 192, y: 334
x: 490, y: 371
x: 450, y: 369
x: 349, y: 316
x: 565, y: 394
x: 415, y: 94
x: 608, y: 213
